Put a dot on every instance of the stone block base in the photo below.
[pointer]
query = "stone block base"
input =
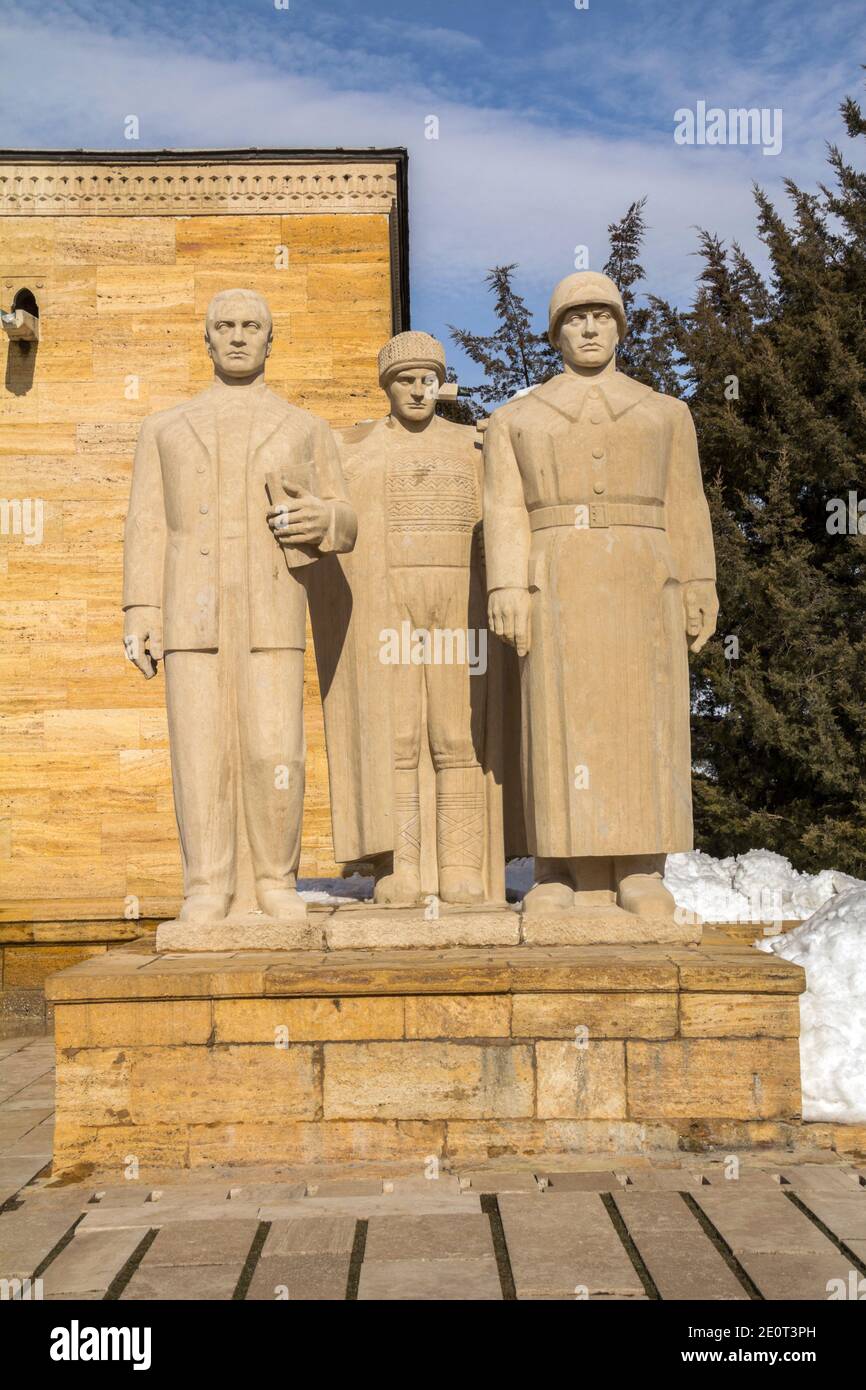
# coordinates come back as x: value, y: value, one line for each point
x: 373, y: 1056
x: 253, y: 931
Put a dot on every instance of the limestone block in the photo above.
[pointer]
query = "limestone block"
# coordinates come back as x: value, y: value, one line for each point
x: 306, y: 1020
x: 156, y: 1023
x: 27, y: 967
x: 93, y: 1086
x: 604, y: 926
x: 321, y: 1142
x: 603, y: 1015
x: 743, y: 1079
x: 368, y: 928
x: 584, y: 1082
x: 739, y: 1015
x: 224, y: 1083
x: 114, y: 240
x: 458, y: 1016
x: 427, y: 1080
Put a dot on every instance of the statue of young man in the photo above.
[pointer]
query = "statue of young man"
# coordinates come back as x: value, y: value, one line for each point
x: 220, y: 595
x: 404, y: 665
x: 600, y: 564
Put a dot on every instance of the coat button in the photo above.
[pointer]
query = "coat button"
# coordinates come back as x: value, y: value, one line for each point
x: 200, y: 468
x: 598, y: 453
x: 596, y: 418
x: 598, y: 486
x: 205, y: 550
x: 204, y: 508
x: 594, y: 392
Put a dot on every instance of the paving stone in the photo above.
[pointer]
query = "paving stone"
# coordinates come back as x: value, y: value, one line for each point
x: 444, y: 1184
x: 800, y: 1276
x: 660, y: 1180
x: 681, y: 1259
x: 202, y: 1243
x: 569, y: 1296
x: 502, y: 1182
x: 148, y: 1214
x: 747, y: 1180
x: 326, y: 1235
x: 26, y: 1237
x: 429, y: 1238
x: 364, y: 1208
x: 761, y: 1222
x: 345, y: 1187
x: 559, y: 1244
x: 429, y: 1280
x: 843, y: 1214
x: 155, y: 1283
x: 90, y: 1262
x: 16, y: 1170
x: 301, y: 1278
x: 17, y: 1123
x: 266, y: 1191
x: 582, y: 1182
x: 825, y: 1179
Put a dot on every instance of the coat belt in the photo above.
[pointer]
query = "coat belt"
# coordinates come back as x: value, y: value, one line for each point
x: 614, y: 511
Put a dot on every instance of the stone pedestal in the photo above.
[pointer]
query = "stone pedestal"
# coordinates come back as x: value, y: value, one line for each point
x: 470, y: 1052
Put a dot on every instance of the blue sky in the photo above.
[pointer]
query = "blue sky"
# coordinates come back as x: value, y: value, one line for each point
x: 551, y: 119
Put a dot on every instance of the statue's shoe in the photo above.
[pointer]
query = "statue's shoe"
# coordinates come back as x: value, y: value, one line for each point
x: 548, y: 897
x: 645, y: 895
x: 402, y: 888
x: 459, y: 883
x: 204, y: 907
x: 283, y: 904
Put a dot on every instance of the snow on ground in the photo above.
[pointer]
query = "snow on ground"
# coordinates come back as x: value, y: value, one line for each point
x: 831, y: 947
x: 759, y: 886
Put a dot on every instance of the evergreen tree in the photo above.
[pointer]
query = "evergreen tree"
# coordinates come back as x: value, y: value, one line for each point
x: 514, y: 356
x: 774, y: 372
x: 775, y: 375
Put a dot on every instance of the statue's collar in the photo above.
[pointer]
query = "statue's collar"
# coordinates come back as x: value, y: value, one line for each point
x: 568, y: 393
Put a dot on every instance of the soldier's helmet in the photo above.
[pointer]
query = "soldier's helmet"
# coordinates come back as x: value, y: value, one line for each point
x: 584, y: 287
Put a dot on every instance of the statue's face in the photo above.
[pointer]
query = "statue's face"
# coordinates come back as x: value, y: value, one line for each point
x: 588, y: 335
x: 413, y: 393
x: 238, y: 336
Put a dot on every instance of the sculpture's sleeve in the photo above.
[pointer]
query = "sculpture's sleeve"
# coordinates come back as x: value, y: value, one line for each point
x: 144, y: 535
x: 506, y: 521
x: 331, y: 484
x: 687, y: 516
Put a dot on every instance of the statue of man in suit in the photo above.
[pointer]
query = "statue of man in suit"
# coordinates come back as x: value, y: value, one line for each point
x: 600, y: 569
x: 219, y: 595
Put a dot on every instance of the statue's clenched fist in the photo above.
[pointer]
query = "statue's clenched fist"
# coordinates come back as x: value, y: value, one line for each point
x: 142, y: 638
x: 508, y: 615
x: 702, y: 610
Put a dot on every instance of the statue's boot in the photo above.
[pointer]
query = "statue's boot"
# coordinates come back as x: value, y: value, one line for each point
x: 460, y: 834
x: 645, y: 895
x: 204, y: 907
x: 553, y: 890
x: 402, y: 886
x: 283, y: 904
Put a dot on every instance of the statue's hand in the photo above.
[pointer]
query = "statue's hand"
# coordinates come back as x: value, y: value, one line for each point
x: 702, y: 610
x: 142, y: 638
x: 508, y: 615
x: 302, y: 519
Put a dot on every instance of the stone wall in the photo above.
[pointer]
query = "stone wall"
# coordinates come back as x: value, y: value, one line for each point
x: 122, y: 260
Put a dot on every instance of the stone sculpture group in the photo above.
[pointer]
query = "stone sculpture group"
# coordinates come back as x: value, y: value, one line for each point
x: 501, y: 620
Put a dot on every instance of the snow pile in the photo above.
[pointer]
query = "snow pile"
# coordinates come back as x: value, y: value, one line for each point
x: 831, y: 947
x: 759, y: 886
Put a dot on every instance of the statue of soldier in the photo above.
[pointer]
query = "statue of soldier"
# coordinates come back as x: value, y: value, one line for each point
x: 219, y: 594
x: 600, y: 563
